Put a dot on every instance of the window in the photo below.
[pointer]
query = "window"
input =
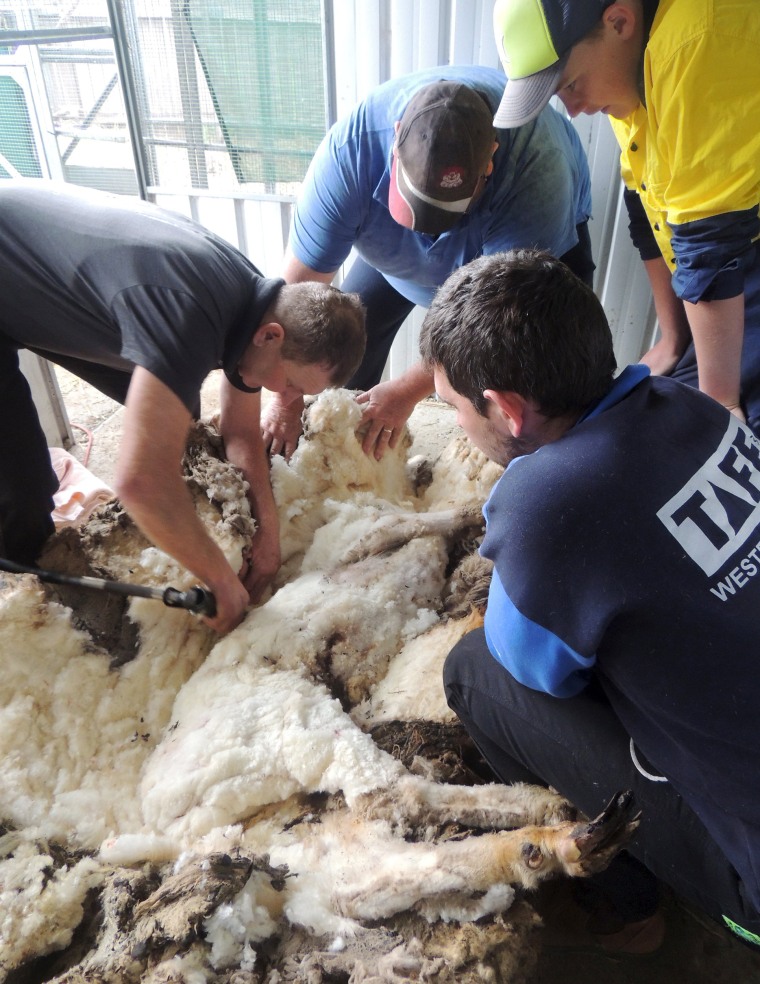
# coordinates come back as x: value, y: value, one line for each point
x: 202, y: 94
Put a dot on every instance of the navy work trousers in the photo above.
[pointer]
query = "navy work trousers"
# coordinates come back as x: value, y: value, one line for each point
x: 27, y: 479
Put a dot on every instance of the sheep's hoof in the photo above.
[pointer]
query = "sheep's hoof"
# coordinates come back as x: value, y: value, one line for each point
x: 591, y: 846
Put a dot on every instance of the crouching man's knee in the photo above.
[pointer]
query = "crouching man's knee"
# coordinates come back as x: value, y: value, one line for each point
x: 463, y: 669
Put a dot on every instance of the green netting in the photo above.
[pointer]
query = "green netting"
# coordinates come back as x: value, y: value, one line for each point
x: 262, y: 60
x: 17, y: 145
x: 221, y: 91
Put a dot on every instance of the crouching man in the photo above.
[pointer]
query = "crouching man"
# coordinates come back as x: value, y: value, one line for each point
x: 143, y: 304
x: 620, y: 641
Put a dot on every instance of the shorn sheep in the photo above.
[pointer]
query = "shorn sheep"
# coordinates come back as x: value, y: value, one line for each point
x: 178, y: 808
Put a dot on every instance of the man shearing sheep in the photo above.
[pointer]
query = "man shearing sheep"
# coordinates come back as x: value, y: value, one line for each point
x: 143, y: 303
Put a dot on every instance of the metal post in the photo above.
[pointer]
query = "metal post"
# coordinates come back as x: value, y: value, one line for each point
x: 90, y: 118
x: 328, y: 62
x: 125, y: 42
x: 188, y: 89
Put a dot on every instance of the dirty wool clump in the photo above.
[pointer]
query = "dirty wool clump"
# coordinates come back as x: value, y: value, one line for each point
x: 196, y: 809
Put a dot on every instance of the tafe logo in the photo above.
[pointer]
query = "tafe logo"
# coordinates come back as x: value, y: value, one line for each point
x: 719, y: 507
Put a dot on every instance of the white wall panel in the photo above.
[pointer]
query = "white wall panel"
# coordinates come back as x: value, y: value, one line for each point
x: 345, y: 40
x: 371, y: 57
x: 47, y: 398
x: 403, y: 23
x: 624, y: 292
x: 471, y: 33
x: 620, y: 280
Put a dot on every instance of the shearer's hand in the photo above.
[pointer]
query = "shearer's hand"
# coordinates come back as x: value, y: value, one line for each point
x: 260, y: 563
x: 231, y: 604
x: 281, y: 426
x: 386, y: 409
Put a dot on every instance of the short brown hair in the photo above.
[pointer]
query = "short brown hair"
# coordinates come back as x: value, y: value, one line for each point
x: 323, y: 326
x: 523, y: 322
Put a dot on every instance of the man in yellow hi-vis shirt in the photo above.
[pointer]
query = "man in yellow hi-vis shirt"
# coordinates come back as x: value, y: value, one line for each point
x: 680, y: 81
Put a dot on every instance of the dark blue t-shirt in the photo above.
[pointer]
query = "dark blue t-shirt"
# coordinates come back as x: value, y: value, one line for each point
x: 123, y: 283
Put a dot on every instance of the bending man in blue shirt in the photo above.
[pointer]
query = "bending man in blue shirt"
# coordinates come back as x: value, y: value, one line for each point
x: 418, y: 182
x: 620, y: 640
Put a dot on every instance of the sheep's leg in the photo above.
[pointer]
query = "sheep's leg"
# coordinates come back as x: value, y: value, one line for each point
x: 454, y: 872
x: 414, y: 802
x: 394, y: 530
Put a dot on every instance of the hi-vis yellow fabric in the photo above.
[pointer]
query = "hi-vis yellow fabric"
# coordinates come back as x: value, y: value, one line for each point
x: 694, y: 152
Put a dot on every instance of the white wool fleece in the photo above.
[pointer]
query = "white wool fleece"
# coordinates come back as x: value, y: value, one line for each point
x: 252, y: 738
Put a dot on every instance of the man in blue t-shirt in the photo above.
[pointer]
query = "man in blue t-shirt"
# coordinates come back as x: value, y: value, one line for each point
x: 418, y: 182
x: 619, y: 649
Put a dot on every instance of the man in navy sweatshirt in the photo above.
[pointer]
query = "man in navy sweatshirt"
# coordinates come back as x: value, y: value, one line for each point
x: 620, y: 640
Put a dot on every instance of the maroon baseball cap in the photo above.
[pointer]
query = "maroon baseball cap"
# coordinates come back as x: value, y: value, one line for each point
x: 443, y: 147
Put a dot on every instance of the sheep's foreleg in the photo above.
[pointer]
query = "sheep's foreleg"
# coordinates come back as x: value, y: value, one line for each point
x: 458, y: 872
x: 414, y: 803
x: 581, y: 848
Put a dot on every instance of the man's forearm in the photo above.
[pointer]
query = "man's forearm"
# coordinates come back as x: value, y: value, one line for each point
x: 240, y: 425
x: 254, y: 465
x: 294, y: 271
x: 669, y: 308
x: 415, y: 384
x: 166, y: 514
x: 718, y: 331
x: 149, y: 482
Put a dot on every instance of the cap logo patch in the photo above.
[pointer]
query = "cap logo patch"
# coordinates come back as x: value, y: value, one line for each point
x: 452, y: 178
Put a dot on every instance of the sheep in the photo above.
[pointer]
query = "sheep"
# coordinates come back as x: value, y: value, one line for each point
x: 225, y: 798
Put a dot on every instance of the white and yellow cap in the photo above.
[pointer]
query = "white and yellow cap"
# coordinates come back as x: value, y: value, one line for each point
x: 534, y: 38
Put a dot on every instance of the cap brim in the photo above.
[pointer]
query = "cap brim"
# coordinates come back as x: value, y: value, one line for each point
x: 524, y: 99
x: 410, y: 211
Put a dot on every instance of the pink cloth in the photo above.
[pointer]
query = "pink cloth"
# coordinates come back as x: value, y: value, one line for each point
x: 79, y: 490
